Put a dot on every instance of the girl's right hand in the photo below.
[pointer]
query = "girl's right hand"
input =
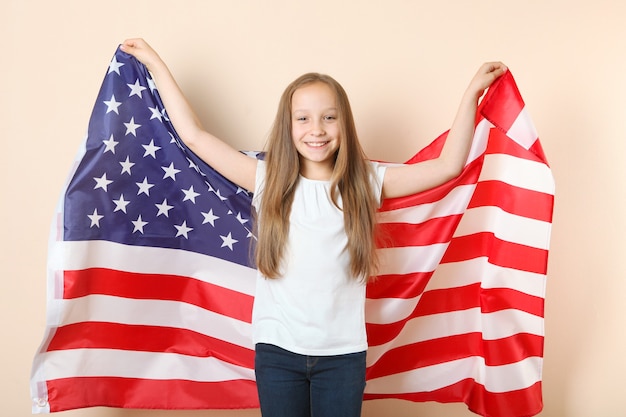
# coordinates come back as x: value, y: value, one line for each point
x: 140, y: 49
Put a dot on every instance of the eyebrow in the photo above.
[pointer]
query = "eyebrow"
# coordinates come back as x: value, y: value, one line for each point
x: 307, y: 110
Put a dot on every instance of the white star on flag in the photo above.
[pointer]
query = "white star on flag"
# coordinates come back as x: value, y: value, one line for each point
x: 164, y: 208
x: 151, y: 149
x: 183, y: 230
x: 112, y: 105
x: 114, y: 66
x: 102, y: 182
x: 120, y: 204
x: 170, y: 171
x: 131, y: 127
x: 126, y: 166
x: 241, y: 219
x: 190, y: 194
x: 228, y: 241
x: 156, y: 113
x: 136, y: 89
x: 144, y: 187
x: 139, y: 224
x: 209, y: 218
x: 95, y: 218
x: 110, y: 144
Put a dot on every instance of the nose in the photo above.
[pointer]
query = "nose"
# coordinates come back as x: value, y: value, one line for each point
x: 317, y: 129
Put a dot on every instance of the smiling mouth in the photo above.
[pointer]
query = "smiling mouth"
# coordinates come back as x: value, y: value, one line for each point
x: 317, y: 144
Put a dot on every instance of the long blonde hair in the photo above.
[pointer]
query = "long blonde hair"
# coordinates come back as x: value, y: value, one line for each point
x: 351, y: 178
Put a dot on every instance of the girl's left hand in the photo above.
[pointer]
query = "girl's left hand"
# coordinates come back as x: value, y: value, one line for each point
x: 486, y: 75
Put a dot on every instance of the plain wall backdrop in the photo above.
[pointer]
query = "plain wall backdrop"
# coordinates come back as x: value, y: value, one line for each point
x: 405, y: 65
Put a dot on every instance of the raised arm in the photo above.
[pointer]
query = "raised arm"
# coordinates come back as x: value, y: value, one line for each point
x: 410, y: 179
x: 229, y: 162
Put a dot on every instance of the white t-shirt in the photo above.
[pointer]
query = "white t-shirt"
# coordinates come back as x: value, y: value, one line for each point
x: 316, y: 307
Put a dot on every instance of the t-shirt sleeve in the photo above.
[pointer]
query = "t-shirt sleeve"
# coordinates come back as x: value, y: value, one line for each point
x: 259, y: 184
x: 377, y: 180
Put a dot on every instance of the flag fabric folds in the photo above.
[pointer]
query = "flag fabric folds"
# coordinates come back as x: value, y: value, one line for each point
x: 150, y: 283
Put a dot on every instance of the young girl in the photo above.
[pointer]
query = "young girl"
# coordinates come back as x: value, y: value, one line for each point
x: 316, y: 197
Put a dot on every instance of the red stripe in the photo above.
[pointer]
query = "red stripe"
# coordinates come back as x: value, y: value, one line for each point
x: 499, y: 143
x: 211, y: 297
x: 499, y: 252
x: 519, y: 201
x: 497, y: 352
x: 398, y: 285
x: 448, y: 299
x: 431, y: 151
x: 519, y: 403
x: 538, y: 150
x: 83, y: 392
x: 437, y: 230
x: 502, y: 103
x: 470, y: 296
x: 498, y: 299
x: 98, y: 335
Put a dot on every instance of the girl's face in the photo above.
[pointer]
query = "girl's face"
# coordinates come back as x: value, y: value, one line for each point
x: 315, y: 129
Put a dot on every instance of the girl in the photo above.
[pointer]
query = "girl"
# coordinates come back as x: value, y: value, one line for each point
x: 316, y: 197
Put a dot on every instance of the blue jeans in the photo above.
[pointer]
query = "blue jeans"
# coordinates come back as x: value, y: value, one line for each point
x: 293, y: 385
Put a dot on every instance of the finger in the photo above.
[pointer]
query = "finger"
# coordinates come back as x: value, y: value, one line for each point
x: 132, y: 43
x: 497, y: 67
x: 127, y: 45
x: 488, y: 67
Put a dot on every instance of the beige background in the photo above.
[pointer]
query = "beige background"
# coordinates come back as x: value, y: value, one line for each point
x: 405, y: 65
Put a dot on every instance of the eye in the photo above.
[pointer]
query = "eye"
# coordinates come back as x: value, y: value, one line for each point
x: 330, y: 117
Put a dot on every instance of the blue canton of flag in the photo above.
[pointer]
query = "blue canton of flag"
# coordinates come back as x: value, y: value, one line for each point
x: 138, y: 184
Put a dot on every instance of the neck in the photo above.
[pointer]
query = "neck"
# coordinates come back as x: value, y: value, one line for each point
x: 316, y: 171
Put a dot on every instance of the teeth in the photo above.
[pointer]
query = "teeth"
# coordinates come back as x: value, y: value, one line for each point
x: 316, y: 144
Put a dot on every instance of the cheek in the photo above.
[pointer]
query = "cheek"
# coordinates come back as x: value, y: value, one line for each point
x: 297, y: 133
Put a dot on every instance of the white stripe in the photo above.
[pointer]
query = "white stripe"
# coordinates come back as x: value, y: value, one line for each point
x: 493, y: 326
x: 389, y: 310
x: 103, y: 308
x: 518, y: 172
x: 145, y: 365
x: 523, y: 130
x: 497, y: 379
x: 453, y: 203
x: 411, y: 259
x: 76, y: 255
x: 505, y: 323
x: 506, y: 226
x: 479, y: 141
x: 459, y: 274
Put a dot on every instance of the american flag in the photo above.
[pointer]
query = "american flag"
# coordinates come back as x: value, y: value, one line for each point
x: 151, y: 284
